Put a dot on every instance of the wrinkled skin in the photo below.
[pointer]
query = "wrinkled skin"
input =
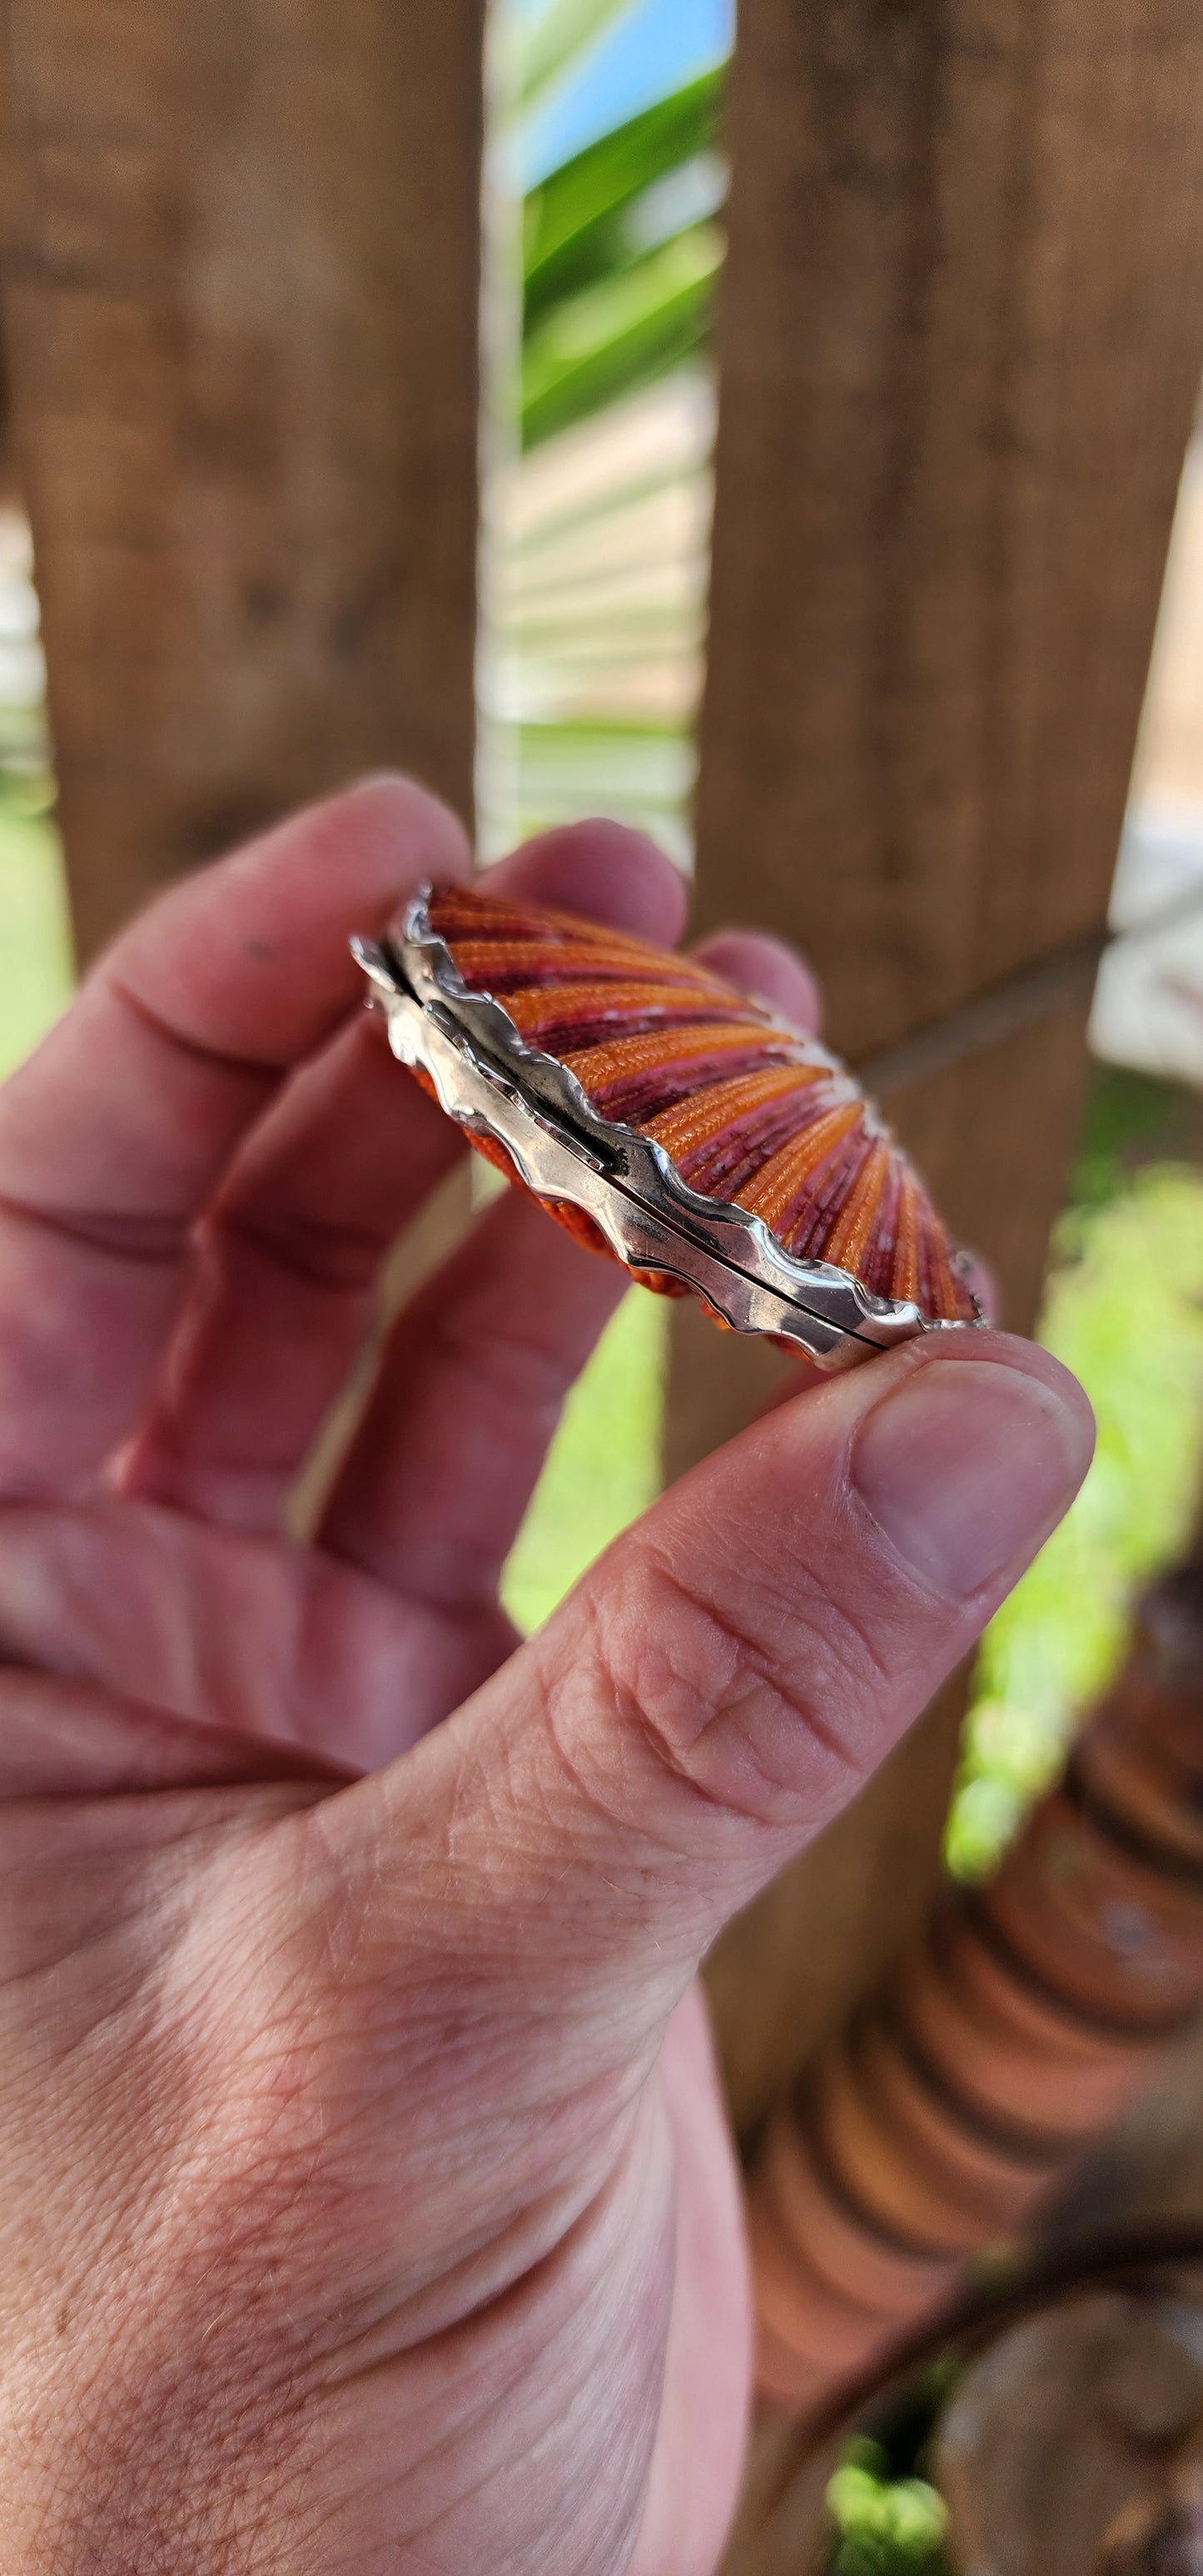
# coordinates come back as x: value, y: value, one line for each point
x: 366, y: 2198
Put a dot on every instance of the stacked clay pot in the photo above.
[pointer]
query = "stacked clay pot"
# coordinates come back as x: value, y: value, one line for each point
x: 1029, y: 2012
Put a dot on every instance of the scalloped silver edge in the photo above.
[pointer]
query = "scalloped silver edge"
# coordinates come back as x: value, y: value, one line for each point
x: 492, y: 1084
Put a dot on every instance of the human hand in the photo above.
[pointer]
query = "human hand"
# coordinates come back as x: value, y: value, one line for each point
x: 366, y: 2198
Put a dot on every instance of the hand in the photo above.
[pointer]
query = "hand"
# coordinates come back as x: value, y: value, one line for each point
x: 366, y: 2198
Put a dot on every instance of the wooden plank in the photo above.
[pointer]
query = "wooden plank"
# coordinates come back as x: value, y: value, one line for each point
x: 240, y: 297
x: 782, y: 1974
x: 781, y: 2525
x: 961, y: 340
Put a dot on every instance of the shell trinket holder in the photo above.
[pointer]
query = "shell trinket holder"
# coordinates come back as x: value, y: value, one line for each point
x: 669, y: 1120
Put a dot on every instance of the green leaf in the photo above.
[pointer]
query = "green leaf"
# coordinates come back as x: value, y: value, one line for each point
x: 1124, y: 1310
x: 551, y: 45
x: 35, y: 937
x: 574, y: 230
x: 619, y: 333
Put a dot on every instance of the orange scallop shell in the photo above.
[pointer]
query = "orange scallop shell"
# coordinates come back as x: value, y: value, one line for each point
x: 747, y: 1110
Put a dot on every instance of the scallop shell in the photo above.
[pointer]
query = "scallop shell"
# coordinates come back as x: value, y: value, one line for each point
x: 748, y: 1112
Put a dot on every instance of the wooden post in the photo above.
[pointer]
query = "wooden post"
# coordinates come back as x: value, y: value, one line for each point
x: 961, y: 340
x: 240, y: 296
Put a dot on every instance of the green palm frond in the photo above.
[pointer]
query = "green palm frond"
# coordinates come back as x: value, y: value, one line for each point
x: 552, y: 45
x: 583, y: 221
x: 598, y: 592
x: 619, y: 333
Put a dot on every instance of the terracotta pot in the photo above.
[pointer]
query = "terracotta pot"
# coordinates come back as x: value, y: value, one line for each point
x: 839, y: 2241
x: 818, y: 2336
x: 1014, y: 2030
x: 1142, y: 1756
x: 1105, y: 1931
x: 989, y: 2171
x: 901, y: 2198
x: 788, y: 2381
x: 907, y: 2159
x: 1022, y: 2060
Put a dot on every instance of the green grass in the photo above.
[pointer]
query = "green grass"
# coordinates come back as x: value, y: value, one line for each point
x: 36, y: 971
x: 1124, y: 1310
x: 603, y: 1467
x: 640, y: 775
x: 883, y: 2525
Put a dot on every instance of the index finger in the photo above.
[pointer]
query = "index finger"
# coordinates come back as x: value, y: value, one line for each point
x: 116, y: 1132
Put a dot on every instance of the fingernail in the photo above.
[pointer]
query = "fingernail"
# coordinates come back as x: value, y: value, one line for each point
x: 967, y: 1466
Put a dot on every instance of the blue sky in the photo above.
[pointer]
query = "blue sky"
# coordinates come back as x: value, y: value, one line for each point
x: 655, y: 45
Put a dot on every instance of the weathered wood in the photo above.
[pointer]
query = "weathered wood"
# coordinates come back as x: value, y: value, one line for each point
x: 782, y: 2528
x: 780, y: 1978
x: 240, y: 294
x: 961, y: 338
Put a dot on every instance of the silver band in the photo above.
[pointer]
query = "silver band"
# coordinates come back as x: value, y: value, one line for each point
x: 492, y: 1084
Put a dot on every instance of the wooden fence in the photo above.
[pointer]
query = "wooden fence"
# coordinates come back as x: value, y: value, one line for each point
x: 961, y: 337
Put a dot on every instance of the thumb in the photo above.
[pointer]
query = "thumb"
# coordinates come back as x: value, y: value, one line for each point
x: 723, y: 1681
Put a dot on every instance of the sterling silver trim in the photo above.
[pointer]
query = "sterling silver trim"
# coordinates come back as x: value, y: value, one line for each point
x: 492, y: 1084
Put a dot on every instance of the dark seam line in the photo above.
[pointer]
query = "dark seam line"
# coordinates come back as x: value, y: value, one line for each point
x: 261, y: 1069
x: 1088, y: 2016
x: 986, y: 1022
x: 1014, y: 1005
x: 912, y: 2249
x: 78, y: 1231
x: 1023, y: 2146
x: 1159, y: 1858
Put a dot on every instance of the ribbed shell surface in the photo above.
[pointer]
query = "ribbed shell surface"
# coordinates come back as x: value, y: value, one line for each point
x: 747, y: 1110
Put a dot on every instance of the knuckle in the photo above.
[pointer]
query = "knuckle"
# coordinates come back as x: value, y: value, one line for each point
x: 514, y: 1369
x: 340, y: 1259
x: 746, y: 1693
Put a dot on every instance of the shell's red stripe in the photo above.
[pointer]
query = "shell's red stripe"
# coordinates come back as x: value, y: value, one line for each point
x: 879, y: 1253
x: 460, y: 912
x: 572, y: 1016
x: 467, y: 920
x: 745, y: 1109
x: 805, y: 1229
x: 647, y: 1095
x: 465, y: 911
x: 699, y: 1122
x: 941, y: 1294
x: 503, y: 966
x: 778, y: 1190
x: 631, y: 1078
x: 851, y: 1235
x: 723, y: 1167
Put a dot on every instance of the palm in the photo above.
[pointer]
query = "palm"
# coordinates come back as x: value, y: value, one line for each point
x: 255, y: 1637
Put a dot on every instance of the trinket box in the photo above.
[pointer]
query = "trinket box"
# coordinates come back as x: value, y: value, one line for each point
x: 669, y: 1120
